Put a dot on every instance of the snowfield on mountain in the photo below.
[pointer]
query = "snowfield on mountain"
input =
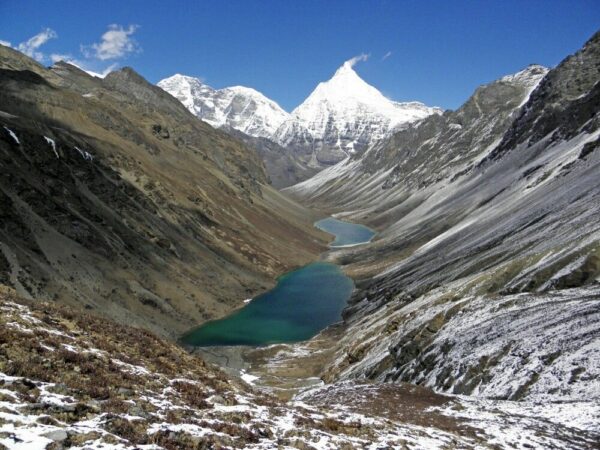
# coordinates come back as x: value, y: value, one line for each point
x: 342, y: 116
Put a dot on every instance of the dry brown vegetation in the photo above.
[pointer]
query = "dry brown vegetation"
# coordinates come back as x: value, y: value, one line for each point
x: 119, y: 375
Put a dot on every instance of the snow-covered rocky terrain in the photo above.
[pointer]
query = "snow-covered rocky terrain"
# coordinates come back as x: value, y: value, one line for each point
x: 427, y: 152
x: 70, y: 380
x: 342, y: 116
x: 484, y: 278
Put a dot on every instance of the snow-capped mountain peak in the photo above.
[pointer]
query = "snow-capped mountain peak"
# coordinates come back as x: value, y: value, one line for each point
x: 346, y: 115
x: 345, y: 89
x: 342, y: 116
x: 185, y: 89
x: 239, y: 107
x: 347, y: 94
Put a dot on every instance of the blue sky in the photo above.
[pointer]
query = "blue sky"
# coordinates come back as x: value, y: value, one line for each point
x: 438, y: 52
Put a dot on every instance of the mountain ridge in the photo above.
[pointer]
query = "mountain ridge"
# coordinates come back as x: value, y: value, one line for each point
x: 487, y: 256
x: 344, y: 115
x: 115, y: 198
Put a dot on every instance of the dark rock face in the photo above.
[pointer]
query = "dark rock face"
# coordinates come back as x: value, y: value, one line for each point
x: 113, y: 197
x: 282, y: 164
x: 564, y: 101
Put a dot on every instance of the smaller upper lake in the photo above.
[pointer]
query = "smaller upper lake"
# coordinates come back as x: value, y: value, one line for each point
x: 346, y: 234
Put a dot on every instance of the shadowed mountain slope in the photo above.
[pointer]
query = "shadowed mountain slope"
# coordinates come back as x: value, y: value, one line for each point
x: 115, y: 198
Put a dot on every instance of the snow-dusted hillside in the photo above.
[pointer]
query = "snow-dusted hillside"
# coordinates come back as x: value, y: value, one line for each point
x: 239, y: 107
x: 71, y: 380
x: 436, y: 148
x: 483, y: 279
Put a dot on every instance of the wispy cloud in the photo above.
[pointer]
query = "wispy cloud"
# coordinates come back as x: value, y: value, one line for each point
x: 115, y: 43
x: 386, y: 56
x: 352, y: 61
x: 31, y: 46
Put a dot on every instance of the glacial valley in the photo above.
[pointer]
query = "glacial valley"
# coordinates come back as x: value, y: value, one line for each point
x: 189, y: 267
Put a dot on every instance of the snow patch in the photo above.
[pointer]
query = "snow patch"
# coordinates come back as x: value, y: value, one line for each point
x: 13, y: 135
x: 52, y: 144
x: 248, y: 378
x: 84, y: 154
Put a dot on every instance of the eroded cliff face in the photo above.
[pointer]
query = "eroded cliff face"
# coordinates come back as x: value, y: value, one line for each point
x: 484, y: 277
x: 115, y: 198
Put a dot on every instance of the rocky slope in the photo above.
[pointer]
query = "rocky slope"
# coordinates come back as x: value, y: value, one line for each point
x: 432, y: 150
x: 71, y: 380
x: 115, y: 198
x: 342, y: 116
x: 484, y: 277
x: 283, y: 165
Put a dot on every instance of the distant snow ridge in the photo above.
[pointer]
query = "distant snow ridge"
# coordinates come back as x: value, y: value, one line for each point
x: 239, y: 107
x: 342, y: 116
x: 529, y: 77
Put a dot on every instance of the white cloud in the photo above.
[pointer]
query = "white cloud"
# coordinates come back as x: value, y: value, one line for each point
x: 30, y: 47
x: 352, y: 61
x: 116, y: 42
x: 386, y: 56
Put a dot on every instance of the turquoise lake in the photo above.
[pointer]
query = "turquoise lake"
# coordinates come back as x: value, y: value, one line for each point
x: 304, y: 302
x: 346, y: 233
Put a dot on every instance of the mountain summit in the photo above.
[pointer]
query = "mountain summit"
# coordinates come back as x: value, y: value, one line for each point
x: 346, y: 95
x: 342, y: 116
x: 345, y: 115
x: 238, y: 107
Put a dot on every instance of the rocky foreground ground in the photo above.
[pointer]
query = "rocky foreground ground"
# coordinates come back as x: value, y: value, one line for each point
x: 73, y: 380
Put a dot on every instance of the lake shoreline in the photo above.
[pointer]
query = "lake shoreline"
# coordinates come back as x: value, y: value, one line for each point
x: 303, y: 303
